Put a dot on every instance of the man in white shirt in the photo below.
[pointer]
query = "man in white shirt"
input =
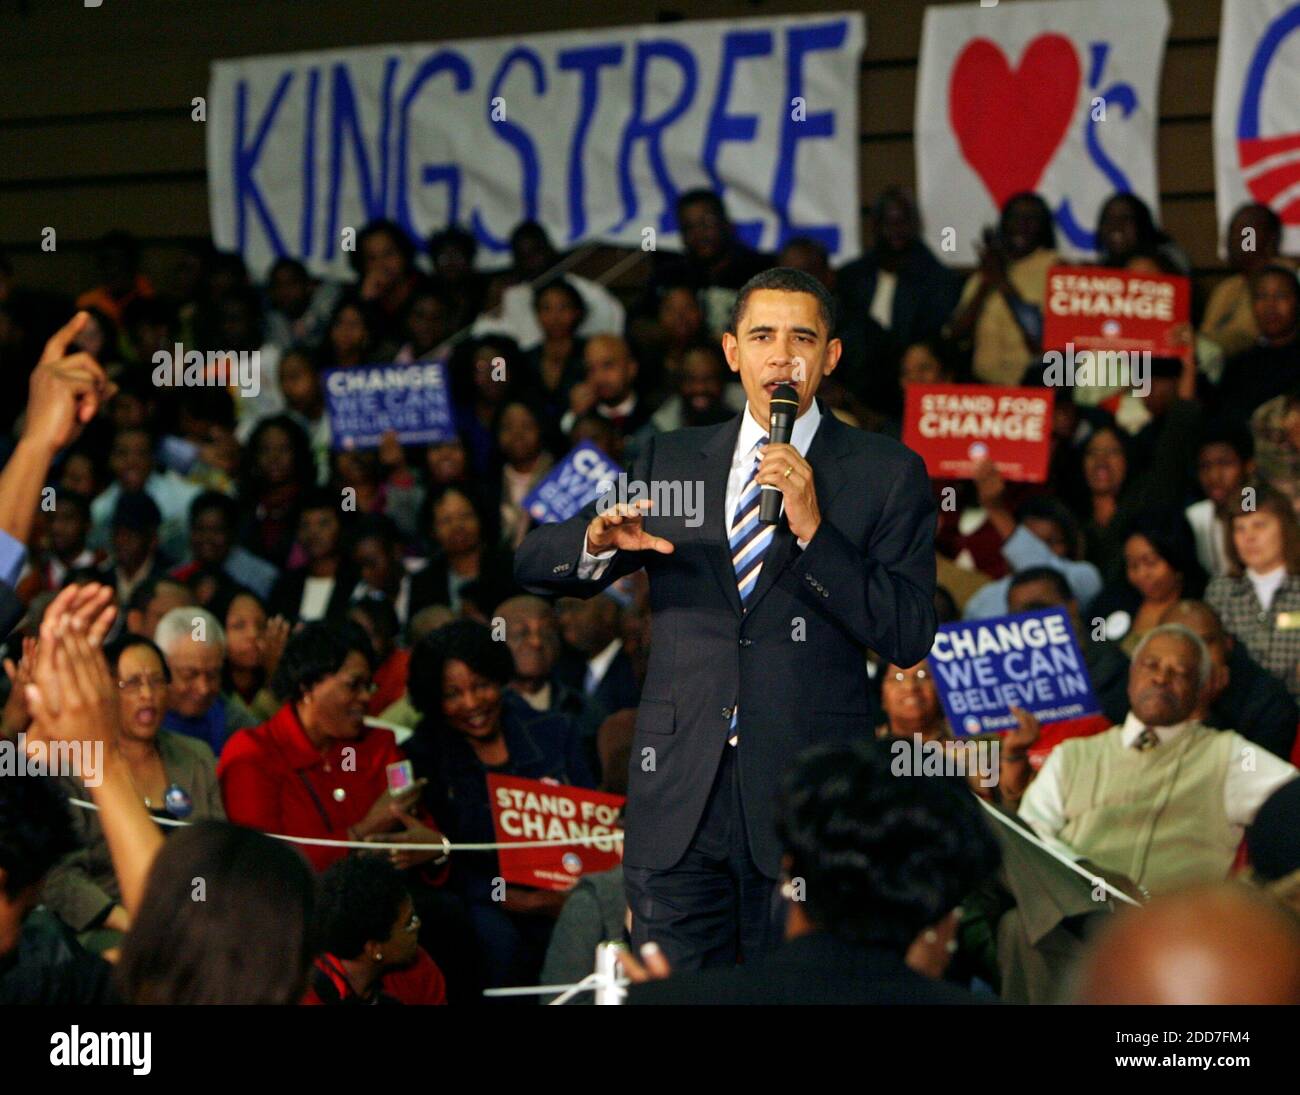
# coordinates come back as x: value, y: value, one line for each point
x: 1161, y: 798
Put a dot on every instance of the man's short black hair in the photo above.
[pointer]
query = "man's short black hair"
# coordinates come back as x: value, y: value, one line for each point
x: 454, y: 236
x: 316, y: 652
x: 701, y: 196
x: 144, y: 593
x: 376, y: 526
x: 214, y: 500
x: 360, y: 899
x: 317, y: 497
x: 1226, y: 431
x: 286, y: 263
x: 1043, y: 574
x: 785, y: 279
x: 35, y: 830
x: 393, y: 231
x: 882, y: 856
x: 1044, y: 507
x: 72, y: 499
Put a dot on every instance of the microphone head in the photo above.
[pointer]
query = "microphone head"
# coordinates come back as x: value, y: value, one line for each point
x: 784, y: 393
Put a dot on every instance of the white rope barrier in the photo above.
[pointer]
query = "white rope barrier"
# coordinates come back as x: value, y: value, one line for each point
x: 612, y: 988
x: 446, y: 847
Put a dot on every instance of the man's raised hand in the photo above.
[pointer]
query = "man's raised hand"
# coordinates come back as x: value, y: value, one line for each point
x: 622, y: 527
x: 66, y: 389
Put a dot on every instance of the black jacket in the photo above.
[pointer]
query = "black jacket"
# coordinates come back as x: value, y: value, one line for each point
x: 796, y: 661
x: 813, y: 969
x: 1257, y: 705
x: 494, y: 584
x: 286, y: 595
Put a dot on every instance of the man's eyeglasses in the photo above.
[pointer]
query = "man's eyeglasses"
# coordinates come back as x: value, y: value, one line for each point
x: 156, y: 682
x: 902, y: 678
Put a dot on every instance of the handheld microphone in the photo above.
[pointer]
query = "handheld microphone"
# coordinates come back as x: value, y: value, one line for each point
x: 784, y: 410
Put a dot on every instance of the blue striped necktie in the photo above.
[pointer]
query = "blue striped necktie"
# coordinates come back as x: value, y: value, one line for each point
x: 749, y: 539
x: 749, y: 542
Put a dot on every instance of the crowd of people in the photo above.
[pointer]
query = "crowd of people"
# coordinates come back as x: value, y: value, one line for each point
x: 260, y: 624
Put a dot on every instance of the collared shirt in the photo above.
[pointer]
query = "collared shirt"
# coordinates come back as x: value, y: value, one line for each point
x: 1267, y: 585
x: 598, y: 666
x: 539, y: 700
x: 742, y: 458
x: 401, y: 603
x: 1251, y: 777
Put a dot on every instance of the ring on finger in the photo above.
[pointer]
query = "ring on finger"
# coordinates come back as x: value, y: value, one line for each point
x: 788, y: 469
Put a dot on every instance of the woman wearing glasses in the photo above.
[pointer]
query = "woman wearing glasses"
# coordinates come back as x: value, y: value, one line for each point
x: 175, y: 776
x: 314, y: 769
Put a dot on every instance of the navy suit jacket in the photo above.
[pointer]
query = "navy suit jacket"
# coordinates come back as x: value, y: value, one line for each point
x: 796, y: 661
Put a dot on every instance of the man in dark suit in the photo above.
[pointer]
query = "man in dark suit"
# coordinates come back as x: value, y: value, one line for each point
x: 1242, y: 694
x: 760, y: 632
x: 600, y: 670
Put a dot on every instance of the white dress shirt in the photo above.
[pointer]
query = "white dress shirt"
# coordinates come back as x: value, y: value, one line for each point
x: 742, y: 459
x: 1267, y: 585
x: 598, y: 666
x: 1252, y: 776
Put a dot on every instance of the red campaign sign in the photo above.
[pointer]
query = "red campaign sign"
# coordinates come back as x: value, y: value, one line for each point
x: 953, y: 426
x: 1095, y: 308
x: 526, y: 810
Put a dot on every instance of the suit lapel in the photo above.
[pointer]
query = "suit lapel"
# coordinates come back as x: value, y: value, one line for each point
x: 823, y: 455
x: 716, y: 454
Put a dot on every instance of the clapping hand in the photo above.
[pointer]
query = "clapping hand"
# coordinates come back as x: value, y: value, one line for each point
x: 71, y: 697
x: 15, y: 717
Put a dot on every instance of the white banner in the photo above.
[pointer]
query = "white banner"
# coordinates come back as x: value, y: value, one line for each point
x: 1257, y: 113
x: 594, y: 134
x: 1057, y: 97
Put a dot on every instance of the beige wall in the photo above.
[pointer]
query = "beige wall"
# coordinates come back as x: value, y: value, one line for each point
x: 95, y: 128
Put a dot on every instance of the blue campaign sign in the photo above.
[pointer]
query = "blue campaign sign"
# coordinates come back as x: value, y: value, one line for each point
x: 982, y: 668
x: 367, y: 401
x: 573, y: 483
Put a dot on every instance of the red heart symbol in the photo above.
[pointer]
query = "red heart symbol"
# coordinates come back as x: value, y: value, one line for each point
x: 1010, y: 124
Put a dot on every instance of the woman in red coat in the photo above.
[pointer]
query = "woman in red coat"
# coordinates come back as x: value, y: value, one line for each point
x: 314, y: 769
